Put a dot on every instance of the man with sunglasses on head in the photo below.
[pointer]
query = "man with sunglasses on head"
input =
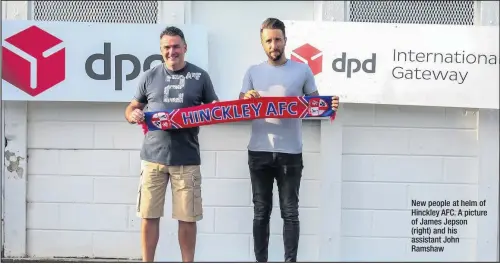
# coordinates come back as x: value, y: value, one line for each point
x: 172, y: 154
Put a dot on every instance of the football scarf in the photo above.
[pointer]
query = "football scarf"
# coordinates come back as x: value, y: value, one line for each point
x: 240, y: 110
x: 144, y: 127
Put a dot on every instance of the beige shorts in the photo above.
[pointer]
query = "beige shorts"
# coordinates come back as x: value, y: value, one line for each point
x: 186, y: 191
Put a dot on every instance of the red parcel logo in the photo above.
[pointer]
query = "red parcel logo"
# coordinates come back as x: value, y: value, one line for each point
x: 33, y: 60
x: 309, y: 55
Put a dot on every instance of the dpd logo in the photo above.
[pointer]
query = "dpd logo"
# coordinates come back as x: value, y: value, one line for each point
x: 354, y: 65
x: 118, y: 61
x: 33, y: 68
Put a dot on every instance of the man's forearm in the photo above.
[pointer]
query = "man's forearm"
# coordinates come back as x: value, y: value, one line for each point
x: 315, y: 93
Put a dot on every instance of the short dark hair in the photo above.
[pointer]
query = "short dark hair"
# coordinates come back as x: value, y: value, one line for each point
x: 273, y: 23
x: 173, y: 31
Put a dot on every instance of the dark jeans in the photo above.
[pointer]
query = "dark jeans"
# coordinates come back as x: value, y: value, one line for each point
x: 287, y: 170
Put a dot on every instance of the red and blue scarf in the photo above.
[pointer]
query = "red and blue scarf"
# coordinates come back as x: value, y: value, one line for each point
x: 240, y: 110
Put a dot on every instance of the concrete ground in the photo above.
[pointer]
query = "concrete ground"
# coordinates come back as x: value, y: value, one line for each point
x: 65, y: 260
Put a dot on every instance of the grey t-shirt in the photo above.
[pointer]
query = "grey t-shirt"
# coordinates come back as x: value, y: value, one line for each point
x: 162, y: 89
x: 290, y: 79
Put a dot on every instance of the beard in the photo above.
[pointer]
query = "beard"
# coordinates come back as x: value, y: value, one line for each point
x: 275, y: 58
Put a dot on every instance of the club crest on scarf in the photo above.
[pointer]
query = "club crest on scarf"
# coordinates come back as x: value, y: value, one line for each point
x: 241, y: 110
x: 317, y: 107
x: 161, y: 120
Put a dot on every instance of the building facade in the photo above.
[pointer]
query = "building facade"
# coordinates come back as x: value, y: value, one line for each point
x: 71, y: 169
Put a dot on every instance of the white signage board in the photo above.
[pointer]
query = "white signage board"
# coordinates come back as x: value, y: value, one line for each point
x: 66, y: 61
x: 400, y: 64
